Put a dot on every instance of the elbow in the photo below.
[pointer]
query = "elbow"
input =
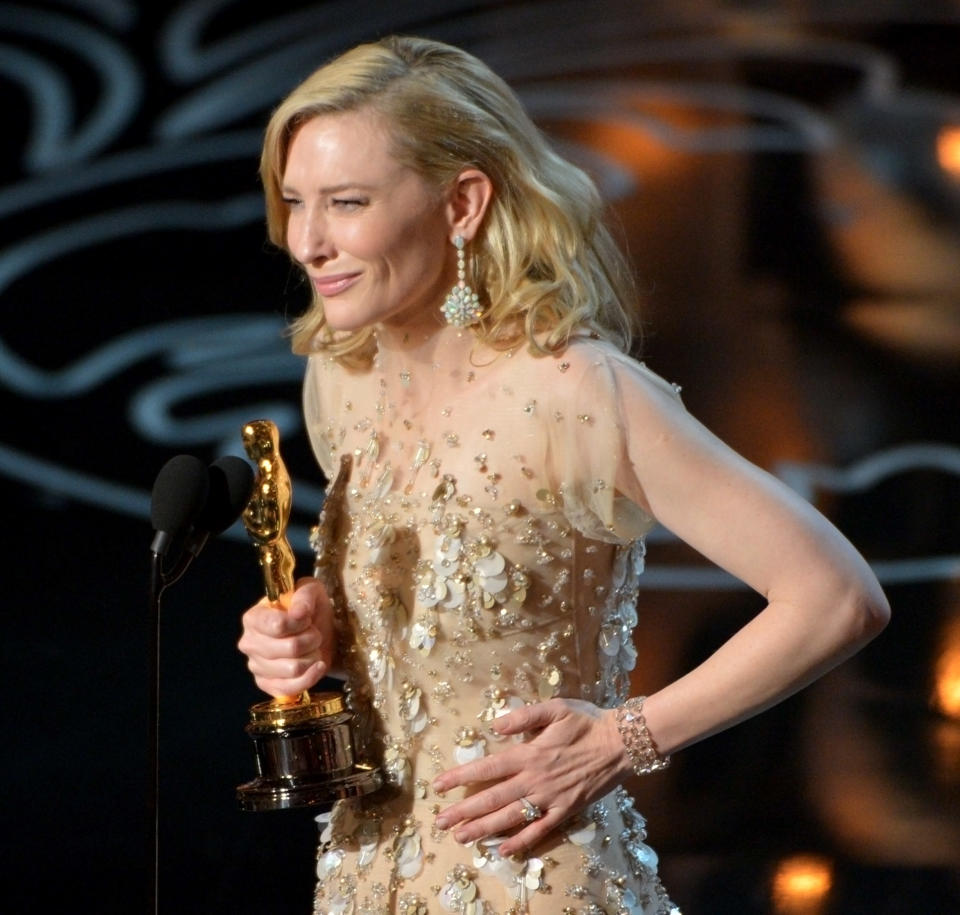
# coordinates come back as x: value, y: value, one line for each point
x: 880, y: 615
x: 867, y: 613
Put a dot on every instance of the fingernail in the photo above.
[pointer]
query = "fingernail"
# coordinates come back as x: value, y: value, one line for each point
x: 441, y: 823
x: 460, y: 837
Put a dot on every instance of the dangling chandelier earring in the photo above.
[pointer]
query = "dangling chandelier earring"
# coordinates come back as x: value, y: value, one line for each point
x: 462, y: 306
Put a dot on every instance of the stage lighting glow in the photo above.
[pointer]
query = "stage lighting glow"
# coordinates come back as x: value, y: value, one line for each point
x: 948, y: 150
x: 801, y: 885
x: 947, y: 672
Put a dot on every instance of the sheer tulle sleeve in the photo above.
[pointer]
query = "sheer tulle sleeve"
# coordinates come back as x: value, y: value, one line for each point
x: 319, y: 384
x: 595, y: 420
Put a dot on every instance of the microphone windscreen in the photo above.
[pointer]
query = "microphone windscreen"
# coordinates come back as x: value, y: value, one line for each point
x: 231, y: 485
x: 179, y: 494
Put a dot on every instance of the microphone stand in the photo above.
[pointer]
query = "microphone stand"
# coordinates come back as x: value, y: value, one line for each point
x: 159, y: 582
x: 157, y: 585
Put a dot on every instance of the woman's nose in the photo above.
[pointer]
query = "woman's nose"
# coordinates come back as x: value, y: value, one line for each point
x: 308, y: 239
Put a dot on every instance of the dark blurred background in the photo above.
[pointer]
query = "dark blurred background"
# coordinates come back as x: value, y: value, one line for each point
x: 786, y: 176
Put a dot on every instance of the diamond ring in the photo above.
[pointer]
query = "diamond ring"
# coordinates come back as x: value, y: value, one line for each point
x: 531, y: 812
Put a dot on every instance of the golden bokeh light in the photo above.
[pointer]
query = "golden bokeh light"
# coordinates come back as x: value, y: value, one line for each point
x: 946, y: 686
x: 948, y: 150
x: 801, y: 885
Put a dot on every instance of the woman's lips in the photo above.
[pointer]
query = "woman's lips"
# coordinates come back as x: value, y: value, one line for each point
x: 332, y: 285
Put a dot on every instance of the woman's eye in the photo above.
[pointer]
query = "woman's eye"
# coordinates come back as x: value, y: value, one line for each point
x: 291, y: 201
x: 348, y: 203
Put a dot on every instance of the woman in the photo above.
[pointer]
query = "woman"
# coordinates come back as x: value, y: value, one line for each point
x: 467, y: 344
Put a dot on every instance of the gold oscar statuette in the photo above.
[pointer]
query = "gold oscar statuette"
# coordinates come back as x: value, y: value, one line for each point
x: 304, y: 745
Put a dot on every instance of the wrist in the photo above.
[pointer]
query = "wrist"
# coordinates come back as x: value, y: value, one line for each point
x: 639, y: 744
x: 618, y: 750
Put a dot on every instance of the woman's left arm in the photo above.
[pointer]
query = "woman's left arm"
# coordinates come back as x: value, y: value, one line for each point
x: 823, y: 603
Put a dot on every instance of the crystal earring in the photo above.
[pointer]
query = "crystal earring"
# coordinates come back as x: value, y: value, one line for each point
x: 462, y: 305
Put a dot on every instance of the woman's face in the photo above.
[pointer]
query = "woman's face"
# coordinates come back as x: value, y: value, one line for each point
x: 373, y: 237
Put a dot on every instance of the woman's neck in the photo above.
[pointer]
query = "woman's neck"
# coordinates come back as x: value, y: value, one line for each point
x: 421, y: 366
x: 424, y: 344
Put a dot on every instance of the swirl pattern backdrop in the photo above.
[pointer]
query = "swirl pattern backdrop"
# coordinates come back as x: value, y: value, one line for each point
x: 786, y: 177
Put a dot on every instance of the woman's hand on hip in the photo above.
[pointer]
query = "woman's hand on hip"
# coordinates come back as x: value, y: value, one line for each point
x: 573, y: 756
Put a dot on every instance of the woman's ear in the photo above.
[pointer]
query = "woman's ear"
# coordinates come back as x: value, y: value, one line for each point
x: 467, y: 203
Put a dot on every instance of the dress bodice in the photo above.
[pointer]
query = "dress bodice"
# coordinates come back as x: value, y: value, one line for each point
x: 487, y: 556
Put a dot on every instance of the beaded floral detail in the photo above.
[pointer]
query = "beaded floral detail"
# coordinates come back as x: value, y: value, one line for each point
x: 342, y: 832
x: 499, y: 702
x: 582, y: 832
x: 470, y: 745
x: 412, y: 904
x: 396, y: 765
x: 460, y: 894
x: 407, y: 851
x: 424, y: 632
x: 413, y: 711
x: 615, y: 645
x: 522, y: 876
x: 469, y: 577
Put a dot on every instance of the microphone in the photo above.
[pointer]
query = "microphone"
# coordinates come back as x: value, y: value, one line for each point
x: 229, y: 486
x: 230, y: 481
x: 179, y: 495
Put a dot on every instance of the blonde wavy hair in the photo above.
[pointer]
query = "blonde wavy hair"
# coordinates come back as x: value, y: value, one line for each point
x: 544, y: 262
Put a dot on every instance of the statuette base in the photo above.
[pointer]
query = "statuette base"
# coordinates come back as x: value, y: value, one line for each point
x: 304, y: 755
